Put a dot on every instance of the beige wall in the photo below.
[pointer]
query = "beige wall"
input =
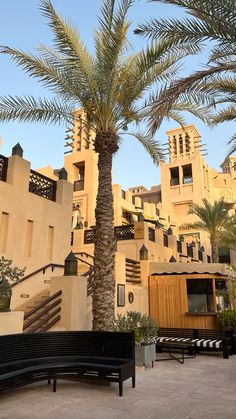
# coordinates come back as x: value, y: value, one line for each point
x: 25, y: 234
x: 11, y: 322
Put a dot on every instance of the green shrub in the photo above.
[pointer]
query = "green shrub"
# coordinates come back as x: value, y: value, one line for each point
x: 144, y: 327
x: 227, y: 319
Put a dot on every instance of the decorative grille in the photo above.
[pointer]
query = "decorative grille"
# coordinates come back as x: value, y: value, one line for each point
x: 3, y: 168
x: 124, y: 232
x: 121, y: 233
x: 88, y: 236
x: 42, y: 185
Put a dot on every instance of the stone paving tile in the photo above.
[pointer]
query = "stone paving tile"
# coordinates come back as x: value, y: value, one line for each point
x: 202, y: 388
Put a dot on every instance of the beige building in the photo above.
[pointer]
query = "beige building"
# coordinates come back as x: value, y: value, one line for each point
x: 56, y: 215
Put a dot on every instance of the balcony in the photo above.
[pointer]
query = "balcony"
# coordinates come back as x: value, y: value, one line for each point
x: 78, y: 185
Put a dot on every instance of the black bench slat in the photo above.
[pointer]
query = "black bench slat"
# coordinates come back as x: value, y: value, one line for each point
x: 44, y: 355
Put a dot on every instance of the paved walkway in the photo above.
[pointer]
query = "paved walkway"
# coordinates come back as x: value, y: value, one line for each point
x: 202, y: 388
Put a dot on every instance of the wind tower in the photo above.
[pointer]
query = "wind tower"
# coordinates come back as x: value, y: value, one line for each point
x: 80, y: 162
x: 186, y: 177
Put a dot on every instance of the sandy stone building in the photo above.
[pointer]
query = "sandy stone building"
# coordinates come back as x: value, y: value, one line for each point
x: 56, y: 215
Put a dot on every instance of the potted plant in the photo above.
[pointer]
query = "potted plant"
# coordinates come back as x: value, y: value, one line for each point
x: 227, y: 321
x: 145, y: 329
x: 8, y: 277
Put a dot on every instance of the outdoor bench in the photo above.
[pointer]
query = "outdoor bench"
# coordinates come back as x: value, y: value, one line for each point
x: 201, y: 339
x: 106, y: 356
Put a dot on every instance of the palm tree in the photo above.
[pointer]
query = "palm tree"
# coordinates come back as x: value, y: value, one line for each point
x: 212, y: 219
x: 114, y: 90
x: 228, y: 235
x: 211, y: 20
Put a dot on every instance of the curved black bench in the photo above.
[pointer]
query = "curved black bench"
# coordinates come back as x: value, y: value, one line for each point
x: 106, y: 356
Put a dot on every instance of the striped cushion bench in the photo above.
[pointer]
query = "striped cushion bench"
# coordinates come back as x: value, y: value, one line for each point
x: 200, y: 343
x: 203, y: 339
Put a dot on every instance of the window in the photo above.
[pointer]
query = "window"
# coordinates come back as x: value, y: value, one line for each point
x: 200, y: 295
x: 29, y: 238
x: 4, y: 221
x: 187, y: 174
x: 187, y: 143
x: 222, y: 298
x: 174, y: 176
x: 174, y: 145
x: 181, y: 149
x: 80, y: 173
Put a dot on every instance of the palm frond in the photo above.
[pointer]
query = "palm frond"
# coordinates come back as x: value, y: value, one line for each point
x: 67, y: 42
x: 224, y: 115
x: 153, y: 147
x: 29, y: 109
x: 232, y: 142
x: 53, y: 74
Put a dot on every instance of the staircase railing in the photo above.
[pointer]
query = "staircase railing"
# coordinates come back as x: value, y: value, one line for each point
x: 42, y: 269
x: 90, y: 275
x: 46, y: 318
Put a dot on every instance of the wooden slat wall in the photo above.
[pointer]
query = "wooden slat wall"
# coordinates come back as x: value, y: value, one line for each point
x: 169, y: 305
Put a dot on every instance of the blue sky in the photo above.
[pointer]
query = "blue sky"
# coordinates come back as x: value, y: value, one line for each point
x: 22, y: 26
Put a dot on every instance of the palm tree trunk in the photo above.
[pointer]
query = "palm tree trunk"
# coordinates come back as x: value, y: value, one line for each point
x: 214, y: 249
x: 103, y: 306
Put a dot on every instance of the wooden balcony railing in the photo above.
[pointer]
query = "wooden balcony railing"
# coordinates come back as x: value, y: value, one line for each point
x: 42, y: 317
x: 125, y: 232
x: 132, y: 271
x: 78, y: 185
x: 42, y: 185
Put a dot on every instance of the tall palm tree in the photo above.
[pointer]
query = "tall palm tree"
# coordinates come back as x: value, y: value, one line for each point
x: 211, y: 20
x: 212, y: 219
x: 114, y: 90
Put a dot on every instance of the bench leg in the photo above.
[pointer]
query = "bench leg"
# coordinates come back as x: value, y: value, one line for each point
x: 133, y: 381
x: 49, y: 381
x: 54, y: 385
x: 120, y: 388
x: 225, y: 353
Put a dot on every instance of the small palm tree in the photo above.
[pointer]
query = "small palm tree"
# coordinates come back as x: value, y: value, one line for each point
x: 228, y: 235
x: 211, y: 20
x: 114, y: 90
x: 212, y: 219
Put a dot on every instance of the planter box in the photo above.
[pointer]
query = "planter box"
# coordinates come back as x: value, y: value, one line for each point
x: 145, y: 355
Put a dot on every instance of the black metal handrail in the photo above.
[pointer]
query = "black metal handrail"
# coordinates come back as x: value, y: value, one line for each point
x: 3, y: 168
x: 90, y: 274
x: 42, y: 185
x: 42, y: 269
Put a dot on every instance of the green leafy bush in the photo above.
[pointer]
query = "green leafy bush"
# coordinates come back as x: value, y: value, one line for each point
x: 144, y: 326
x: 8, y: 274
x: 227, y: 319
